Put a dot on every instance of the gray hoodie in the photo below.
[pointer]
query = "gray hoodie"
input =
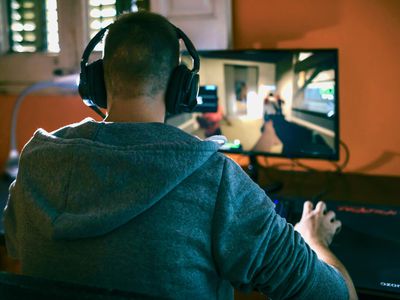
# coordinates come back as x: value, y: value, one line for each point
x: 148, y: 208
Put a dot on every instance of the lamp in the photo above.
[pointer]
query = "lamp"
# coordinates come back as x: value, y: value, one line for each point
x: 69, y: 82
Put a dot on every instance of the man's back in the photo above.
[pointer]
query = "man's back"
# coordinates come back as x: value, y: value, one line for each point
x: 148, y: 208
x: 81, y: 218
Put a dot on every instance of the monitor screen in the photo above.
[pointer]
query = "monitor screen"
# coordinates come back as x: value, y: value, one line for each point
x: 268, y: 102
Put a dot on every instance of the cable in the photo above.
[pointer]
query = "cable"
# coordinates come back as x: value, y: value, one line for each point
x: 284, y: 164
x: 308, y: 168
x: 341, y: 167
x: 266, y: 161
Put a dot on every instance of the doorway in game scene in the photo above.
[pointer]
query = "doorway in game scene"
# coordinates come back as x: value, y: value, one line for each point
x: 240, y: 83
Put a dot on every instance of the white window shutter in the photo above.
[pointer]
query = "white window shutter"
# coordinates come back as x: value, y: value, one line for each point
x: 208, y: 23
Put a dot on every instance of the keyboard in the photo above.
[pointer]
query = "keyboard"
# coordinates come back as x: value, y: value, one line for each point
x: 290, y: 208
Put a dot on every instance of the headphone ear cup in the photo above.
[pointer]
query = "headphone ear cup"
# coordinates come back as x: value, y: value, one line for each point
x: 96, y: 87
x: 183, y: 86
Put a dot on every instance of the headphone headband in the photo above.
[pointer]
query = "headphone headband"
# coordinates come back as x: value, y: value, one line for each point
x: 92, y: 44
x: 190, y: 48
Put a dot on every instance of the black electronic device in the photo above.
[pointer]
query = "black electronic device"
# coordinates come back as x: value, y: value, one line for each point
x: 207, y: 100
x: 182, y: 90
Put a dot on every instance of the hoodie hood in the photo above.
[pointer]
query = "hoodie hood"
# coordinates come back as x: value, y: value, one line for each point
x: 90, y: 178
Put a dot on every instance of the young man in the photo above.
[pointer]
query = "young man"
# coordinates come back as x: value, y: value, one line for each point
x: 134, y: 204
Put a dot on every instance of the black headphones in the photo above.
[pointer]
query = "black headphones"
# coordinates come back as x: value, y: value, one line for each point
x: 182, y: 90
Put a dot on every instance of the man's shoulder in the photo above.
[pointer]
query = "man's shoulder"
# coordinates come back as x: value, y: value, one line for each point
x: 75, y: 129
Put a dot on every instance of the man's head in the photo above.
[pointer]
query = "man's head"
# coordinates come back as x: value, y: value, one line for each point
x: 141, y: 51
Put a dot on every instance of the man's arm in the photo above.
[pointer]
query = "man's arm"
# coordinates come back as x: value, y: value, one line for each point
x: 255, y: 249
x: 318, y: 227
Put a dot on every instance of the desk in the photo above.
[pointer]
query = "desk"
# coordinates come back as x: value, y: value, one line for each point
x: 326, y: 185
x: 358, y: 188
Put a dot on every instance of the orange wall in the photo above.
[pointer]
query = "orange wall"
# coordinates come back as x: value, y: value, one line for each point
x: 46, y: 111
x: 367, y: 34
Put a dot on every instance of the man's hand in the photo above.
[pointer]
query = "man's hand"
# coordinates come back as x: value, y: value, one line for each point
x: 318, y: 226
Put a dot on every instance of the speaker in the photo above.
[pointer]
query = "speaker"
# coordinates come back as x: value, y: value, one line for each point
x: 182, y: 89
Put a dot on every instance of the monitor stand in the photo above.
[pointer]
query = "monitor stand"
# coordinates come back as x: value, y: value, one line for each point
x: 252, y: 171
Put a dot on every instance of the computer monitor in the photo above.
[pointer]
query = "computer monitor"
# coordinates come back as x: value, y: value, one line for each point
x: 268, y: 102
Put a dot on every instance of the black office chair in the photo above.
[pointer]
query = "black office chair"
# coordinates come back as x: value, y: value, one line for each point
x: 16, y: 287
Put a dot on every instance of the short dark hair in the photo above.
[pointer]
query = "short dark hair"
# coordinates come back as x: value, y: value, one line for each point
x: 141, y: 50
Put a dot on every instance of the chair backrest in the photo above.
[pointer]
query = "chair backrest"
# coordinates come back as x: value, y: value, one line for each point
x: 13, y: 286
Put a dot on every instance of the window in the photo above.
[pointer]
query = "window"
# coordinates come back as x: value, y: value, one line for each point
x: 49, y: 36
x: 33, y: 25
x: 103, y: 12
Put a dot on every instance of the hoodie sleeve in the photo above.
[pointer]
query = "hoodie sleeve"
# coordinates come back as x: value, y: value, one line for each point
x: 10, y: 224
x: 255, y: 249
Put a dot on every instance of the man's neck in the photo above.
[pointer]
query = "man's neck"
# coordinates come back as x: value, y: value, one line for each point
x: 140, y: 109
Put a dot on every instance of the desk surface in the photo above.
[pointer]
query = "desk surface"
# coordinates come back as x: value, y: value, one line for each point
x: 365, y: 189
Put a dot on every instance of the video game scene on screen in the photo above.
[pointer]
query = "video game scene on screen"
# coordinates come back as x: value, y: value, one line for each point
x: 279, y: 102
